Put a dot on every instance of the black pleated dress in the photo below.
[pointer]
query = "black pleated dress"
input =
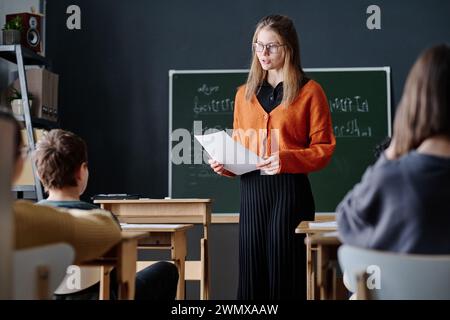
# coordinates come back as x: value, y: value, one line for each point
x: 272, y: 257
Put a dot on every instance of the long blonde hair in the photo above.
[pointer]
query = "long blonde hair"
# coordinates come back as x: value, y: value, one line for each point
x: 424, y: 110
x: 292, y: 69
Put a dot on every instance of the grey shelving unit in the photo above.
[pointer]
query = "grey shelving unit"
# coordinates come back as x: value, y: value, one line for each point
x: 23, y: 56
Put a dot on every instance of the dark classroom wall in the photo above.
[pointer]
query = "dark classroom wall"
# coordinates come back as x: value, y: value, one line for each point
x: 114, y: 73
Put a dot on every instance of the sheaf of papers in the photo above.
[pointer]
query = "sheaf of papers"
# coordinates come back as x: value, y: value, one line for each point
x: 323, y: 225
x: 234, y: 156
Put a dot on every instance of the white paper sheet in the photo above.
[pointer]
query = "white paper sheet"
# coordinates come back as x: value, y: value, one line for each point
x: 323, y: 225
x: 234, y: 156
x: 148, y: 226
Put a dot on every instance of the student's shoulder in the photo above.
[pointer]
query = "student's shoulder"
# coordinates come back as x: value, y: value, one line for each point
x: 86, y: 213
x: 385, y: 172
x: 24, y: 208
x: 72, y: 204
x: 22, y: 205
x: 28, y: 214
x: 28, y: 207
x: 83, y: 205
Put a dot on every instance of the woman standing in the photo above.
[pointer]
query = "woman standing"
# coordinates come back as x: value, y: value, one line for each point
x: 284, y: 118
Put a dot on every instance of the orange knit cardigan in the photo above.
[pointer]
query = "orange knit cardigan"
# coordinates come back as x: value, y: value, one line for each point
x: 302, y: 132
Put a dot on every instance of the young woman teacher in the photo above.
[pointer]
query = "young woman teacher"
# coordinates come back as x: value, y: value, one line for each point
x: 283, y: 117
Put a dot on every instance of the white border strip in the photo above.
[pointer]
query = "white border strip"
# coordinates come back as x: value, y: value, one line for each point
x: 347, y: 69
x: 388, y: 87
x: 173, y: 72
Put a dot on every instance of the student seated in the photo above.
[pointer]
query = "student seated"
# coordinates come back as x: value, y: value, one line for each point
x: 90, y: 234
x: 401, y: 203
x: 61, y: 162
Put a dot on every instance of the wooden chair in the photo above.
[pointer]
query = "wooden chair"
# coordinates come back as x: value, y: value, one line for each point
x: 383, y: 275
x: 39, y: 271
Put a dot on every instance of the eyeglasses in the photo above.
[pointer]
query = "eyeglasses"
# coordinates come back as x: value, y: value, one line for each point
x: 271, y: 47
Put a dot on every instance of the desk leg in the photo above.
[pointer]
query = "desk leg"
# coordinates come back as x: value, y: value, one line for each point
x: 309, y: 273
x: 334, y: 288
x: 105, y: 272
x: 321, y: 271
x: 204, y: 281
x: 43, y: 275
x: 179, y: 256
x: 126, y: 269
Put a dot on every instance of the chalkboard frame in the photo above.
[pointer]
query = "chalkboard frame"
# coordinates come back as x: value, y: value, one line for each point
x: 173, y: 72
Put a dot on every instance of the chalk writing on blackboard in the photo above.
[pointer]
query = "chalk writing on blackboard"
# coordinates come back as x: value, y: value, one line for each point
x: 213, y: 106
x: 351, y: 129
x: 346, y: 104
x: 208, y: 90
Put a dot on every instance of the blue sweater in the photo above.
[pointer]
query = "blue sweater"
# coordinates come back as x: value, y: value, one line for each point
x: 401, y: 205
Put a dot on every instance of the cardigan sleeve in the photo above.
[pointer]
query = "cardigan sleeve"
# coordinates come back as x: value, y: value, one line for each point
x: 321, y: 138
x: 90, y: 232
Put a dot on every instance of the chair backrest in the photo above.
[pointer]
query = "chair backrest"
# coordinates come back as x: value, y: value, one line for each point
x: 39, y: 271
x: 389, y: 275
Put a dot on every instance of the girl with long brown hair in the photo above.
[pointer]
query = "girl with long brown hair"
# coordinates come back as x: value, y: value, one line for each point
x: 402, y: 204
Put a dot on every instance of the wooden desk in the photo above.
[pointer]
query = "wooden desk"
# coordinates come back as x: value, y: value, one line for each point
x: 328, y: 284
x: 123, y: 257
x: 321, y: 248
x: 197, y: 211
x: 165, y: 237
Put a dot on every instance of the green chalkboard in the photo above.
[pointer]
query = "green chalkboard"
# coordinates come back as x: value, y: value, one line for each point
x: 201, y: 100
